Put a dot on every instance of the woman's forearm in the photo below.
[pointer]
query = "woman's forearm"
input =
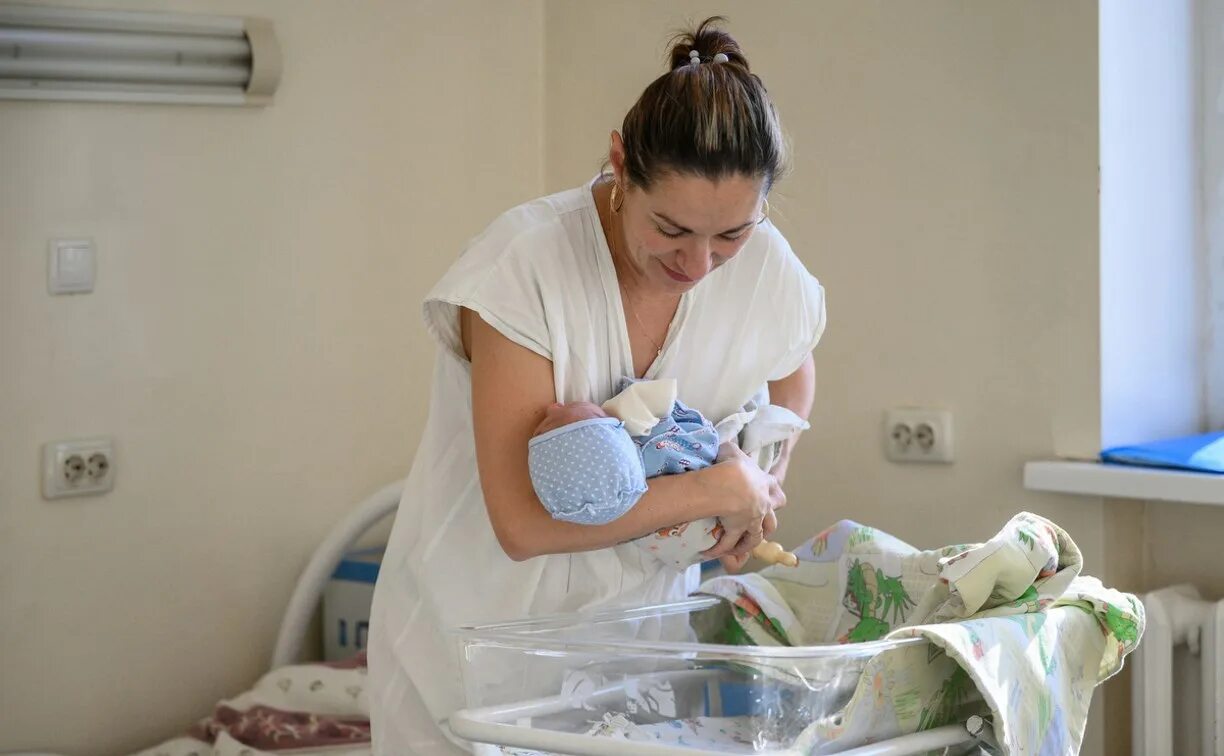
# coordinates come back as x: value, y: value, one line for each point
x: 796, y: 392
x: 669, y: 500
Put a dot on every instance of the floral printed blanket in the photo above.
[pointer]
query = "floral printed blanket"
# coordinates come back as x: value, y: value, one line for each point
x: 1015, y: 633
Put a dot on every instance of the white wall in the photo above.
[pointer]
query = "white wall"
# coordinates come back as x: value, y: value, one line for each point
x: 253, y: 346
x: 945, y: 193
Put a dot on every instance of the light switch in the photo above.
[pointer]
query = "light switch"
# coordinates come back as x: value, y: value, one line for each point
x: 72, y: 265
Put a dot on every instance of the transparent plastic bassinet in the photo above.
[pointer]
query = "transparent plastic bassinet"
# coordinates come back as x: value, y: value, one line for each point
x: 637, y: 681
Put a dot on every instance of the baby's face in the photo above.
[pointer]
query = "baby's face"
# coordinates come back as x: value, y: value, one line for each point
x: 558, y: 415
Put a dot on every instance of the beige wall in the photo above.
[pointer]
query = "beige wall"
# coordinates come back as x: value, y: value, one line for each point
x: 253, y: 346
x: 1182, y: 545
x: 945, y: 193
x: 1153, y: 544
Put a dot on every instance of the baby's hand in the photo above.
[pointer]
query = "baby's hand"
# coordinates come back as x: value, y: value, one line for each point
x: 558, y: 415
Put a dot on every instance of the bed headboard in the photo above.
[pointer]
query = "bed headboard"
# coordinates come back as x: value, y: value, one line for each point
x: 322, y: 564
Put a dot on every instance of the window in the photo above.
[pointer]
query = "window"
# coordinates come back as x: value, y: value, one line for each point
x: 1212, y: 207
x: 1155, y: 378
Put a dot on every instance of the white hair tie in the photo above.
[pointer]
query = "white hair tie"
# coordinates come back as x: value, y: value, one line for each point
x: 694, y: 57
x: 720, y: 58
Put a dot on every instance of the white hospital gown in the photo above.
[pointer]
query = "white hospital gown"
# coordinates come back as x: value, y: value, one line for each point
x: 542, y: 275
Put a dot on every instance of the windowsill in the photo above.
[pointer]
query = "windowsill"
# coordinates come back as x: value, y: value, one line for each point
x: 1123, y: 482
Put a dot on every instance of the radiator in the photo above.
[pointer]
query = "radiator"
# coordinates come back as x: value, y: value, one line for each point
x: 1177, y: 615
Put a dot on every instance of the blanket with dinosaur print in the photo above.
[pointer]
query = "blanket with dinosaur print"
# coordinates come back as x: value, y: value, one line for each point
x: 1015, y: 633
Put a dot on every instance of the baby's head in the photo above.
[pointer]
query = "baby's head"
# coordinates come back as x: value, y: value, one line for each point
x: 560, y: 415
x: 584, y: 467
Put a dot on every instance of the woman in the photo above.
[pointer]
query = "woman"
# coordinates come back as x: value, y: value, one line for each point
x: 667, y: 267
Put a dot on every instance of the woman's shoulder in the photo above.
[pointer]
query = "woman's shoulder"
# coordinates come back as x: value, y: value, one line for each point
x: 768, y: 286
x: 508, y: 271
x: 547, y: 240
x: 521, y: 241
x: 768, y: 259
x: 769, y: 280
x: 537, y: 225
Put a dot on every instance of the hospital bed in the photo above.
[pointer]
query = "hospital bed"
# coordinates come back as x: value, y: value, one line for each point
x: 600, y: 665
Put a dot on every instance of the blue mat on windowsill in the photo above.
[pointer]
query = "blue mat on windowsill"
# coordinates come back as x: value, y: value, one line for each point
x: 1204, y: 453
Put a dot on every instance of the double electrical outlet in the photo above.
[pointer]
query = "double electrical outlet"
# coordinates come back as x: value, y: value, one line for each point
x: 918, y: 435
x: 78, y: 468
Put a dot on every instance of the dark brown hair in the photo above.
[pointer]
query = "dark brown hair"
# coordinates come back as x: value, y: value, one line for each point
x: 709, y: 119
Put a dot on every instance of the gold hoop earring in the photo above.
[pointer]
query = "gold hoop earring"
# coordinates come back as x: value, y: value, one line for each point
x: 612, y: 203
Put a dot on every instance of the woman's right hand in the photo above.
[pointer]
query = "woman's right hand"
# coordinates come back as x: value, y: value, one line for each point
x: 748, y: 494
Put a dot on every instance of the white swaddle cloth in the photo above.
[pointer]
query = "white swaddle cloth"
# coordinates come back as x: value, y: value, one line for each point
x: 643, y: 404
x: 760, y: 429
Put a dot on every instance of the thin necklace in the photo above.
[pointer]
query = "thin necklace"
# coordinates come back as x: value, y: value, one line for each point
x: 658, y: 348
x: 625, y: 294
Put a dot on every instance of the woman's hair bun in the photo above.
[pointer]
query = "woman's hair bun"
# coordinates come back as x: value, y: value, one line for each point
x: 707, y: 115
x: 708, y: 40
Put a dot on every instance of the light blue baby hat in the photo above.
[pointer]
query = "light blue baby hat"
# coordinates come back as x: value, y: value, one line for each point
x: 588, y: 472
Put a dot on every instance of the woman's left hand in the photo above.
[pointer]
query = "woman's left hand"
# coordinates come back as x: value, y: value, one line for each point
x: 732, y: 563
x: 780, y: 467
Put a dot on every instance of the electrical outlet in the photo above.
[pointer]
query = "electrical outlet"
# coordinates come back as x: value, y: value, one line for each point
x: 78, y: 468
x: 918, y: 435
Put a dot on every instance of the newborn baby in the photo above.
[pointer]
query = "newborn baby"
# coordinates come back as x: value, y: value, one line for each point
x: 589, y: 464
